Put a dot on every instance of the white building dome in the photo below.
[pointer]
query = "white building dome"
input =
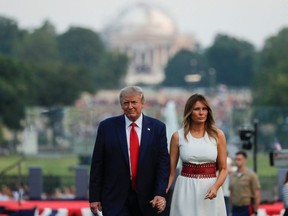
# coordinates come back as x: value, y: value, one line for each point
x: 142, y: 19
x: 149, y: 38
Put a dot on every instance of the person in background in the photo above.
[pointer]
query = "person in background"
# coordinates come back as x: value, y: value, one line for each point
x: 130, y: 163
x: 285, y: 194
x: 244, y: 188
x: 225, y: 185
x: 201, y: 147
x: 6, y: 193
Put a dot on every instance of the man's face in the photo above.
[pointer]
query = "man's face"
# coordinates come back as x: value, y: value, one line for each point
x: 240, y: 160
x: 132, y: 106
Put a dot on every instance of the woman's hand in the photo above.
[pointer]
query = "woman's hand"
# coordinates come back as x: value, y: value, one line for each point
x: 211, y: 193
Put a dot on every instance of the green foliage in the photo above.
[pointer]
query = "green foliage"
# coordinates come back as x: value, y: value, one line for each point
x: 9, y: 33
x: 272, y: 75
x: 228, y: 61
x: 183, y: 63
x: 79, y: 46
x: 39, y: 47
x: 15, y: 91
x: 57, y: 69
x: 233, y: 59
x: 97, y: 68
x: 58, y: 86
x: 112, y: 70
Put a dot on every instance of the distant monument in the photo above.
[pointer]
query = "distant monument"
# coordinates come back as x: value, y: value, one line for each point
x: 149, y: 37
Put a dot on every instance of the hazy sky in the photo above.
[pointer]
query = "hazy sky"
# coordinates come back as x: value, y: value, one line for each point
x: 251, y: 20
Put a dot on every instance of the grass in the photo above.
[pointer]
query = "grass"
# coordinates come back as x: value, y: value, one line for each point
x: 263, y: 165
x: 61, y: 165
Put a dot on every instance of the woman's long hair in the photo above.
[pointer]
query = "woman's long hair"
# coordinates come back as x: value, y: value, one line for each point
x: 187, y: 120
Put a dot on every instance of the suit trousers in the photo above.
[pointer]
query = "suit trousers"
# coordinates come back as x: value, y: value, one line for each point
x: 131, y: 207
x: 286, y: 212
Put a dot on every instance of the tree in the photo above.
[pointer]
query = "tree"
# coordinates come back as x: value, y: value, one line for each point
x: 83, y: 48
x: 272, y: 74
x: 59, y: 86
x: 112, y: 70
x: 233, y: 61
x: 16, y: 81
x: 39, y: 47
x: 9, y: 34
x: 80, y: 46
x: 183, y: 63
x: 57, y: 69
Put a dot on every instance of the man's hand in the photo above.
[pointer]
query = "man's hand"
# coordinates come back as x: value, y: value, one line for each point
x: 95, y: 207
x: 159, y: 202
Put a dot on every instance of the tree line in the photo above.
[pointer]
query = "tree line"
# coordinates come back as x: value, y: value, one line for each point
x: 236, y: 63
x: 43, y: 68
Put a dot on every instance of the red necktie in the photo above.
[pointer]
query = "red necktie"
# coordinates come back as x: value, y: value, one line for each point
x: 134, y: 152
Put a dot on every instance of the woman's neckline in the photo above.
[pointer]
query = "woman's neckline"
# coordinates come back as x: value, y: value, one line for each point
x: 198, y: 136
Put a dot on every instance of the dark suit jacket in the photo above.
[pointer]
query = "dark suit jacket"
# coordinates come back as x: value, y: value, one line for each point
x: 110, y: 169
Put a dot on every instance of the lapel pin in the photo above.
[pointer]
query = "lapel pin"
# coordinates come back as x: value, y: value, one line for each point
x: 148, y: 129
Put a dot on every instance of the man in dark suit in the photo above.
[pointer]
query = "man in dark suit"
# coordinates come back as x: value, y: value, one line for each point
x: 117, y: 187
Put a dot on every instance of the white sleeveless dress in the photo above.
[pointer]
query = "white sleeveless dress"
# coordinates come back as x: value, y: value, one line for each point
x: 189, y: 193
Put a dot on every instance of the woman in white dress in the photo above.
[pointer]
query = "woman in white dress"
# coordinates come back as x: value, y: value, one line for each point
x: 201, y: 147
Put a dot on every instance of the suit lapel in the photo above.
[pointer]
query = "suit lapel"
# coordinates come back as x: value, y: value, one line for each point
x: 122, y: 139
x: 145, y: 138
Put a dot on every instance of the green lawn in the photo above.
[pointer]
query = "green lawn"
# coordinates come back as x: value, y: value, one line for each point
x: 263, y: 167
x: 63, y: 165
x: 53, y: 165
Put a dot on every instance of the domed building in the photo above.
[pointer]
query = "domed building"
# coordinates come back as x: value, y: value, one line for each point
x: 149, y: 37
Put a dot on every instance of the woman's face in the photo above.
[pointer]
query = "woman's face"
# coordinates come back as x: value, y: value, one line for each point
x: 199, y: 113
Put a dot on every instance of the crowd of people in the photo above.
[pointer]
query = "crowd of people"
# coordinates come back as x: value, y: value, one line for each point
x: 13, y: 192
x: 8, y: 193
x: 65, y: 193
x: 93, y: 109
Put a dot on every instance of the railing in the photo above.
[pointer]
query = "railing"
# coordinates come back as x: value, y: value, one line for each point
x: 17, y: 163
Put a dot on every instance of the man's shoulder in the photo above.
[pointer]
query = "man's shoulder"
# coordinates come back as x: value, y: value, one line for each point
x: 252, y: 175
x: 250, y: 172
x: 112, y: 119
x: 152, y: 119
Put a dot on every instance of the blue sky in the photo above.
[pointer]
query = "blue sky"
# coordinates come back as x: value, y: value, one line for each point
x: 251, y: 20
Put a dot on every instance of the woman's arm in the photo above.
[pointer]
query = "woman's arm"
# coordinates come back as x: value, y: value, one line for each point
x: 174, y: 156
x: 221, y: 159
x: 222, y: 166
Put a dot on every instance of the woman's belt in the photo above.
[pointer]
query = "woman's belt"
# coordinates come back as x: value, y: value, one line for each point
x: 206, y: 170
